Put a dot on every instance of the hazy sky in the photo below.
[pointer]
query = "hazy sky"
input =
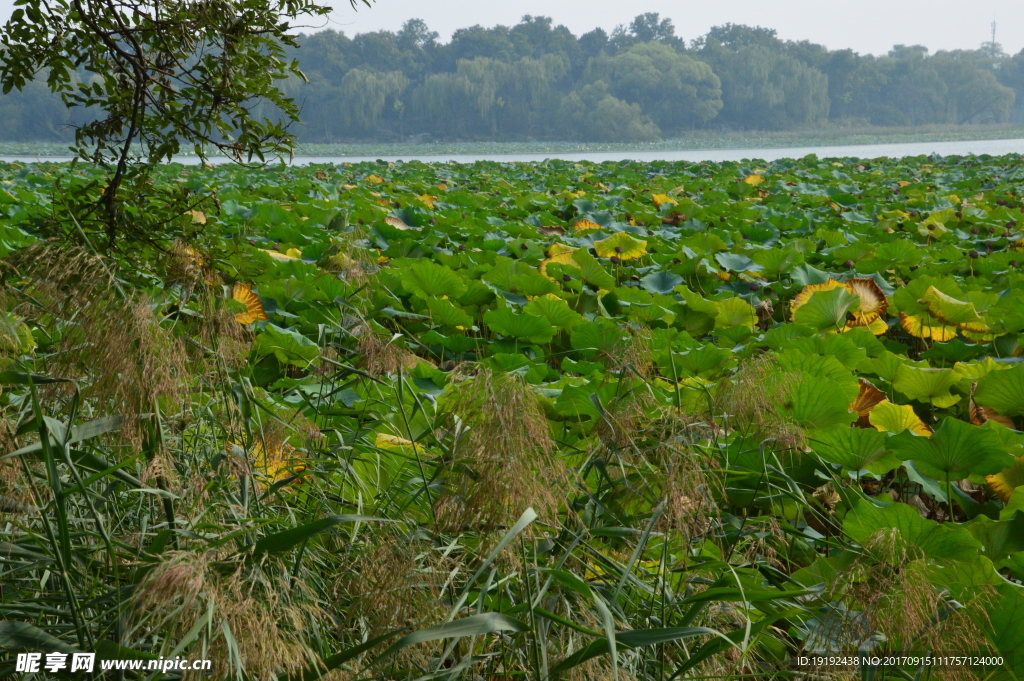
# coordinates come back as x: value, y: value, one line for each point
x: 868, y: 26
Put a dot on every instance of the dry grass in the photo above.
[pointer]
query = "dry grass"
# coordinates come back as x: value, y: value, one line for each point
x: 502, y: 458
x: 113, y: 345
x: 380, y: 356
x: 265, y: 612
x: 396, y: 582
x: 751, y: 402
x: 888, y: 590
x: 220, y: 332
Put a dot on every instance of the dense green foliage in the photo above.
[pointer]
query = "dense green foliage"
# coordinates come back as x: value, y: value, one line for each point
x: 560, y: 420
x: 536, y: 80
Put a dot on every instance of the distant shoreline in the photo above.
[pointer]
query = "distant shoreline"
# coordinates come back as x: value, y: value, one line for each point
x: 696, y: 141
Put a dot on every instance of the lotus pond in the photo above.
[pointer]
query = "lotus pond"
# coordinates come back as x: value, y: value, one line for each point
x: 547, y: 420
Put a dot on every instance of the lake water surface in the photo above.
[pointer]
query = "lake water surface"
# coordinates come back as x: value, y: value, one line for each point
x: 864, y: 151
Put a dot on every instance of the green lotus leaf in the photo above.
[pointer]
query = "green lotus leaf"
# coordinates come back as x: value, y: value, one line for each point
x: 907, y: 299
x: 901, y: 253
x: 456, y: 343
x: 695, y: 302
x: 927, y: 385
x: 425, y: 279
x: 575, y: 402
x: 445, y: 313
x: 584, y: 400
x: 943, y: 541
x: 661, y: 281
x: 502, y: 272
x: 737, y: 262
x: 555, y: 310
x: 777, y: 261
x: 592, y: 271
x: 948, y: 309
x: 477, y: 293
x: 734, y: 312
x: 827, y: 310
x: 1007, y: 314
x: 855, y: 449
x: 703, y: 361
x: 955, y: 450
x: 600, y: 335
x: 1000, y: 538
x: 526, y: 326
x: 288, y: 345
x: 814, y: 403
x: 698, y: 316
x: 533, y: 284
x: 1003, y: 391
x: 826, y: 367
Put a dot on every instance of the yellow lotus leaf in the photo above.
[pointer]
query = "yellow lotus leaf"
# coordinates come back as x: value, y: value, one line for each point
x: 620, y: 245
x: 253, y: 307
x: 833, y: 205
x: 586, y: 226
x: 903, y: 183
x: 557, y: 248
x: 800, y: 299
x: 443, y: 187
x: 753, y: 180
x: 348, y: 186
x: 867, y: 399
x: 977, y: 327
x: 194, y: 257
x: 387, y: 441
x: 321, y: 175
x: 198, y: 217
x: 877, y: 327
x: 562, y: 258
x: 920, y: 326
x: 274, y: 463
x: 383, y: 202
x: 951, y: 311
x: 873, y: 302
x: 895, y: 418
x: 397, y: 223
x: 1007, y: 480
x: 978, y: 337
x: 662, y: 199
x: 427, y: 199
x: 278, y: 255
x: 374, y: 179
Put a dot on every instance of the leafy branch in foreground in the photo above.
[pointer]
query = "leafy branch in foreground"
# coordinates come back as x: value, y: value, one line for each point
x: 158, y: 74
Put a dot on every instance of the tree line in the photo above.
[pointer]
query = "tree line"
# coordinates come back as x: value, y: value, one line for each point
x: 641, y: 82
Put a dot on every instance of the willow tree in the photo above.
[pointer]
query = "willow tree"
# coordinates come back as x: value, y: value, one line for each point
x: 157, y: 75
x: 364, y: 95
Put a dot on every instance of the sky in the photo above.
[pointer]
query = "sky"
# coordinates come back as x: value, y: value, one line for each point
x: 867, y: 26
